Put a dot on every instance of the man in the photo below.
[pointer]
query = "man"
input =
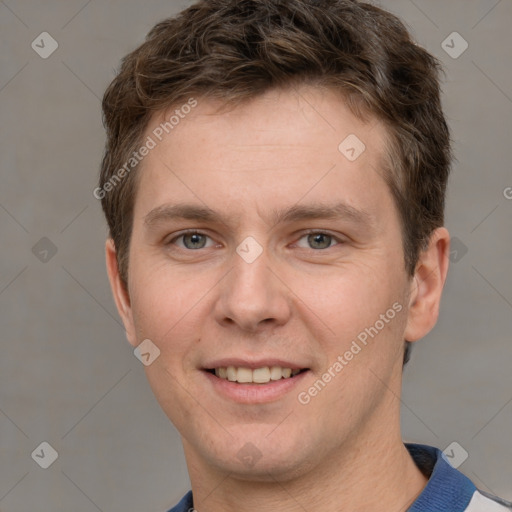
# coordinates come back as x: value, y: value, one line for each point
x: 274, y: 184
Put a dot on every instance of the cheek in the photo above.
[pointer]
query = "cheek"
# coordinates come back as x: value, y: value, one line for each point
x: 348, y: 297
x: 164, y: 307
x: 351, y: 311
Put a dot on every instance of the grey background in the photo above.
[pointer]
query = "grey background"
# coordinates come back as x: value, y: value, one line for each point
x: 67, y: 375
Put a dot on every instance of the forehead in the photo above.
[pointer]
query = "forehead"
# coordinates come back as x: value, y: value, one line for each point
x: 278, y: 149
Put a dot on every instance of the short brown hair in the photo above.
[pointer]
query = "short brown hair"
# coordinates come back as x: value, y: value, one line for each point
x: 235, y: 50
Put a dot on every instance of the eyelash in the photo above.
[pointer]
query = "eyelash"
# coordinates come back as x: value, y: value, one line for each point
x: 304, y: 234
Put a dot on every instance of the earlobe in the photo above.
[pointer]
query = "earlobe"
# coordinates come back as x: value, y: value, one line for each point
x: 427, y: 286
x: 119, y: 291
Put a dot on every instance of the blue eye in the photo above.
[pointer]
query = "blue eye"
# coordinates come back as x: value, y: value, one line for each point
x: 192, y: 240
x: 318, y: 240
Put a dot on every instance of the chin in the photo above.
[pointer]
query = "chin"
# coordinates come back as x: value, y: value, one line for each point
x: 247, y: 459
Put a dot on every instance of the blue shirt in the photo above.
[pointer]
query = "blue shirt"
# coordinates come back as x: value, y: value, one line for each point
x: 447, y: 489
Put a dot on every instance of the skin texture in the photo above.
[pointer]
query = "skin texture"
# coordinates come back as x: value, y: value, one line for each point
x: 343, y: 450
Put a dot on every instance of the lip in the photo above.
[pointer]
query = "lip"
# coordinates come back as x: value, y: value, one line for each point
x: 250, y: 393
x: 252, y: 364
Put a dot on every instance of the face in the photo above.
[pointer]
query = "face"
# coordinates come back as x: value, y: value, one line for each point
x: 262, y: 245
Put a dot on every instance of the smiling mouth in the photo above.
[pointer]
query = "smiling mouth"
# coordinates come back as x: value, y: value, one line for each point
x: 262, y: 375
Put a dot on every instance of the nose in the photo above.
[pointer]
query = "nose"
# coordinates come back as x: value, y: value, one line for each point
x: 253, y: 296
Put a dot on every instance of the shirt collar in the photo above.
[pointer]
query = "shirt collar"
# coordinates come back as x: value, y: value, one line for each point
x: 446, y: 489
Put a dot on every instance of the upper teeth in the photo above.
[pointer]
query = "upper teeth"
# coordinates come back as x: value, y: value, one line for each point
x: 258, y: 375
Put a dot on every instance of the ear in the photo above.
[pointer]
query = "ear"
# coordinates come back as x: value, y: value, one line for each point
x: 427, y: 286
x: 121, y: 296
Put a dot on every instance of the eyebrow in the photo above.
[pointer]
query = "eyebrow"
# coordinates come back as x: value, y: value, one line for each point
x: 315, y: 211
